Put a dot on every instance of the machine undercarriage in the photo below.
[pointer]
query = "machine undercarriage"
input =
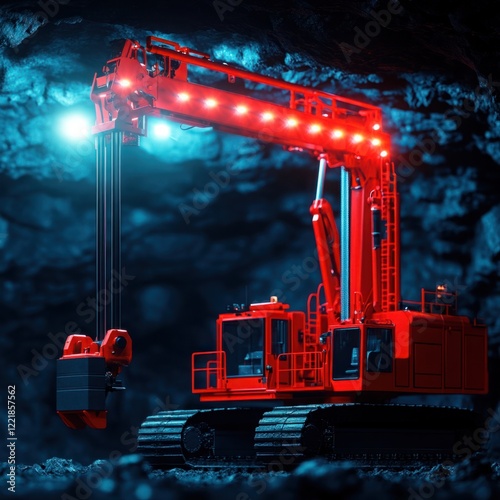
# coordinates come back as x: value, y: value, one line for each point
x: 282, y: 437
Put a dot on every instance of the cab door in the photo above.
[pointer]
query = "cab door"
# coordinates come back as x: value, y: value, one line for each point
x: 243, y: 344
x: 280, y: 351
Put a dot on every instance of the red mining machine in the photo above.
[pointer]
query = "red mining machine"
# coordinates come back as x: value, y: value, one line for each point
x: 332, y: 369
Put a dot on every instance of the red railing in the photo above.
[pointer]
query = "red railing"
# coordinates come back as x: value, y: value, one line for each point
x: 435, y: 302
x: 173, y: 83
x: 300, y: 369
x: 309, y: 101
x: 212, y: 367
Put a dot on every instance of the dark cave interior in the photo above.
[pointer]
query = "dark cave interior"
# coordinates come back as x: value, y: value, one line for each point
x: 432, y: 67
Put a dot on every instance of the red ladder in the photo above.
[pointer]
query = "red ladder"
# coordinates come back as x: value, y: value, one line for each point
x: 390, y: 245
x: 310, y: 356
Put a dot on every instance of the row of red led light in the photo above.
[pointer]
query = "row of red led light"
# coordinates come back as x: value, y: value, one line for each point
x: 267, y: 116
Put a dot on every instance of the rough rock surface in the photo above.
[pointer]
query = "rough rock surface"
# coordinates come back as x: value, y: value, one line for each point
x: 128, y: 477
x: 433, y: 67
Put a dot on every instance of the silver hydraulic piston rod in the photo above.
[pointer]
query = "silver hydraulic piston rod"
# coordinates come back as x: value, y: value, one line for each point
x: 108, y: 230
x: 345, y: 236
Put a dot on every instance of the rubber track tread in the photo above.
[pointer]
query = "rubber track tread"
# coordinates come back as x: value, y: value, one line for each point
x: 368, y: 434
x: 160, y: 438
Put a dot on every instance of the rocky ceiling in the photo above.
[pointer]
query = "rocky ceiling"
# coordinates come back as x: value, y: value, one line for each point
x: 432, y: 66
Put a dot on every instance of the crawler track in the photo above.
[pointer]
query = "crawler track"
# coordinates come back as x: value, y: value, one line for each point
x: 282, y: 437
x: 160, y: 438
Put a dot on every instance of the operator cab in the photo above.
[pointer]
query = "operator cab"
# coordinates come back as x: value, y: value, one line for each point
x: 253, y: 349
